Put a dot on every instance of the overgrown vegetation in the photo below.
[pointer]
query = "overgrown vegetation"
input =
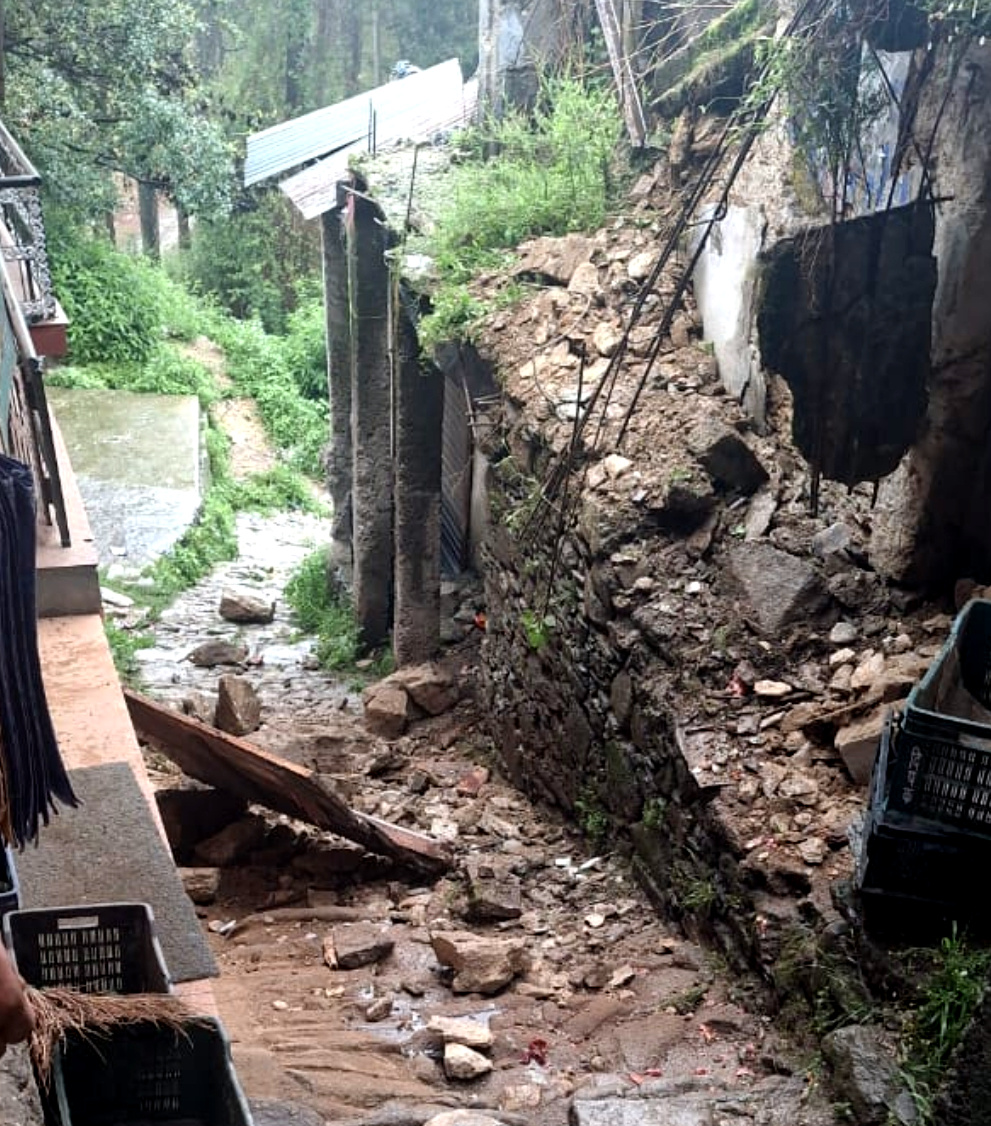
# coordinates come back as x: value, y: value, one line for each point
x: 322, y: 613
x: 951, y: 989
x: 550, y: 172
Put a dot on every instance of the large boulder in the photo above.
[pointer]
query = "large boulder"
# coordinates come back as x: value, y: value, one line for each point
x: 481, y: 965
x: 245, y: 608
x: 780, y: 587
x: 239, y: 710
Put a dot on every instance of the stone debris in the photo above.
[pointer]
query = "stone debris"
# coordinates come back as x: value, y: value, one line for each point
x: 866, y: 1070
x: 357, y: 944
x: 388, y: 710
x: 480, y: 964
x: 858, y: 742
x: 463, y: 1118
x: 201, y: 884
x: 494, y: 894
x: 726, y: 457
x: 780, y: 587
x: 462, y: 1030
x: 239, y: 709
x: 245, y: 608
x: 429, y: 687
x: 218, y: 652
x: 232, y: 844
x: 461, y: 1062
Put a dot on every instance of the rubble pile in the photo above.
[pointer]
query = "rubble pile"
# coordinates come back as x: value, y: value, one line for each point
x: 686, y: 655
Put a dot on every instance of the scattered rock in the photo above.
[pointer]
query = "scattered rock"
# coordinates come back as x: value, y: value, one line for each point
x: 831, y: 540
x: 462, y: 1030
x: 471, y: 782
x: 195, y: 812
x: 857, y: 744
x: 606, y: 338
x: 780, y: 587
x: 360, y: 944
x: 379, y: 1009
x: 201, y: 706
x: 585, y: 281
x: 869, y: 671
x: 239, y: 709
x: 865, y: 1070
x: 481, y: 965
x: 727, y: 458
x: 772, y: 689
x: 555, y: 260
x: 245, y: 608
x: 116, y: 600
x: 388, y: 710
x: 760, y: 513
x: 641, y: 265
x: 232, y: 844
x: 843, y: 633
x: 462, y: 1118
x: 428, y: 686
x: 492, y: 895
x: 465, y: 1063
x: 616, y: 466
x: 812, y: 850
x: 201, y: 884
x: 218, y: 652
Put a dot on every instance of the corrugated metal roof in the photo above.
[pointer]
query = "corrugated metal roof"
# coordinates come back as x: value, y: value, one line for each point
x: 314, y: 190
x: 277, y: 149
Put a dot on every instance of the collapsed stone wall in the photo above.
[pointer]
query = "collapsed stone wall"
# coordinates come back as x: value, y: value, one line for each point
x: 684, y: 659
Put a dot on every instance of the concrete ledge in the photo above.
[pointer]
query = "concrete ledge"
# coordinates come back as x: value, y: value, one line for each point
x: 68, y: 578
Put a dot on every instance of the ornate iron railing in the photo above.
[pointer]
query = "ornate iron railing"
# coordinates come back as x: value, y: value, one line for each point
x: 25, y: 425
x: 23, y: 241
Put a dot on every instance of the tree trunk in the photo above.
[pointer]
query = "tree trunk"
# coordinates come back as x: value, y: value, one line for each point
x: 185, y: 232
x: 151, y: 242
x: 352, y: 38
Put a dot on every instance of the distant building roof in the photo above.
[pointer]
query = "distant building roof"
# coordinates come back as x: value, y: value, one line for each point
x: 386, y: 114
x: 314, y: 190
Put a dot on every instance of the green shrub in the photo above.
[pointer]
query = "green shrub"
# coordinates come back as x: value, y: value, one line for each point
x: 111, y: 300
x: 169, y: 372
x: 276, y: 490
x: 258, y: 366
x: 251, y: 262
x: 319, y: 611
x: 306, y: 349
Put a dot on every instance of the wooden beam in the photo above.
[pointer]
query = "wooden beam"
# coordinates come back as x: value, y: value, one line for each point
x: 228, y: 763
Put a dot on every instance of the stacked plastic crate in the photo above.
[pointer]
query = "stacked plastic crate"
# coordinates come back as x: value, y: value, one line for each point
x: 928, y: 830
x: 140, y: 1073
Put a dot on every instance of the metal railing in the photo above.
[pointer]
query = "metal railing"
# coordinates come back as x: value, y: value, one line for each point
x: 25, y: 425
x: 23, y: 245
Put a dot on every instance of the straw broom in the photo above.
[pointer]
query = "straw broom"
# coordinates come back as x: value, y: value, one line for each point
x: 58, y: 1012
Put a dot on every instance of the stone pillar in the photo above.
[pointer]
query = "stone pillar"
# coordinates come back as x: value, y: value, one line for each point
x: 933, y: 522
x: 371, y: 419
x: 340, y: 454
x: 419, y: 445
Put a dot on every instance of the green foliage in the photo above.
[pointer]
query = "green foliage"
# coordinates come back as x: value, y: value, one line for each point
x: 93, y: 88
x: 259, y: 367
x: 252, y: 262
x: 948, y: 998
x: 110, y: 298
x: 280, y: 489
x: 537, y: 628
x: 592, y: 818
x: 320, y: 610
x: 166, y: 372
x: 306, y: 348
x: 553, y: 173
x: 124, y: 645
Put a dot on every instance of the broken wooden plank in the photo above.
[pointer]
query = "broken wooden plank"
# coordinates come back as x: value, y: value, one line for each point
x: 228, y: 763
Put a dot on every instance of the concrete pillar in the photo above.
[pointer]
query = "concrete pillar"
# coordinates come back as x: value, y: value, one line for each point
x: 419, y: 445
x: 340, y: 452
x: 371, y: 419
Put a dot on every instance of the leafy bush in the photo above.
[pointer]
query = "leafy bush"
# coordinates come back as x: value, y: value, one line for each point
x: 275, y: 490
x: 319, y: 612
x: 258, y: 365
x: 166, y: 372
x: 553, y: 173
x: 251, y: 263
x: 110, y: 298
x: 306, y: 349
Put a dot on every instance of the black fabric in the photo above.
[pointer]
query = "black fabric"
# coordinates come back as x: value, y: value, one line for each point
x: 33, y: 768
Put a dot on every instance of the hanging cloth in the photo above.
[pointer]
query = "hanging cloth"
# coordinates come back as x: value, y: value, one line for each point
x: 33, y: 775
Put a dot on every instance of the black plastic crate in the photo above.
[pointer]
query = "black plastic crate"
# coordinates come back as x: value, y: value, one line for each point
x: 145, y: 1073
x: 98, y: 948
x: 10, y: 887
x: 934, y: 704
